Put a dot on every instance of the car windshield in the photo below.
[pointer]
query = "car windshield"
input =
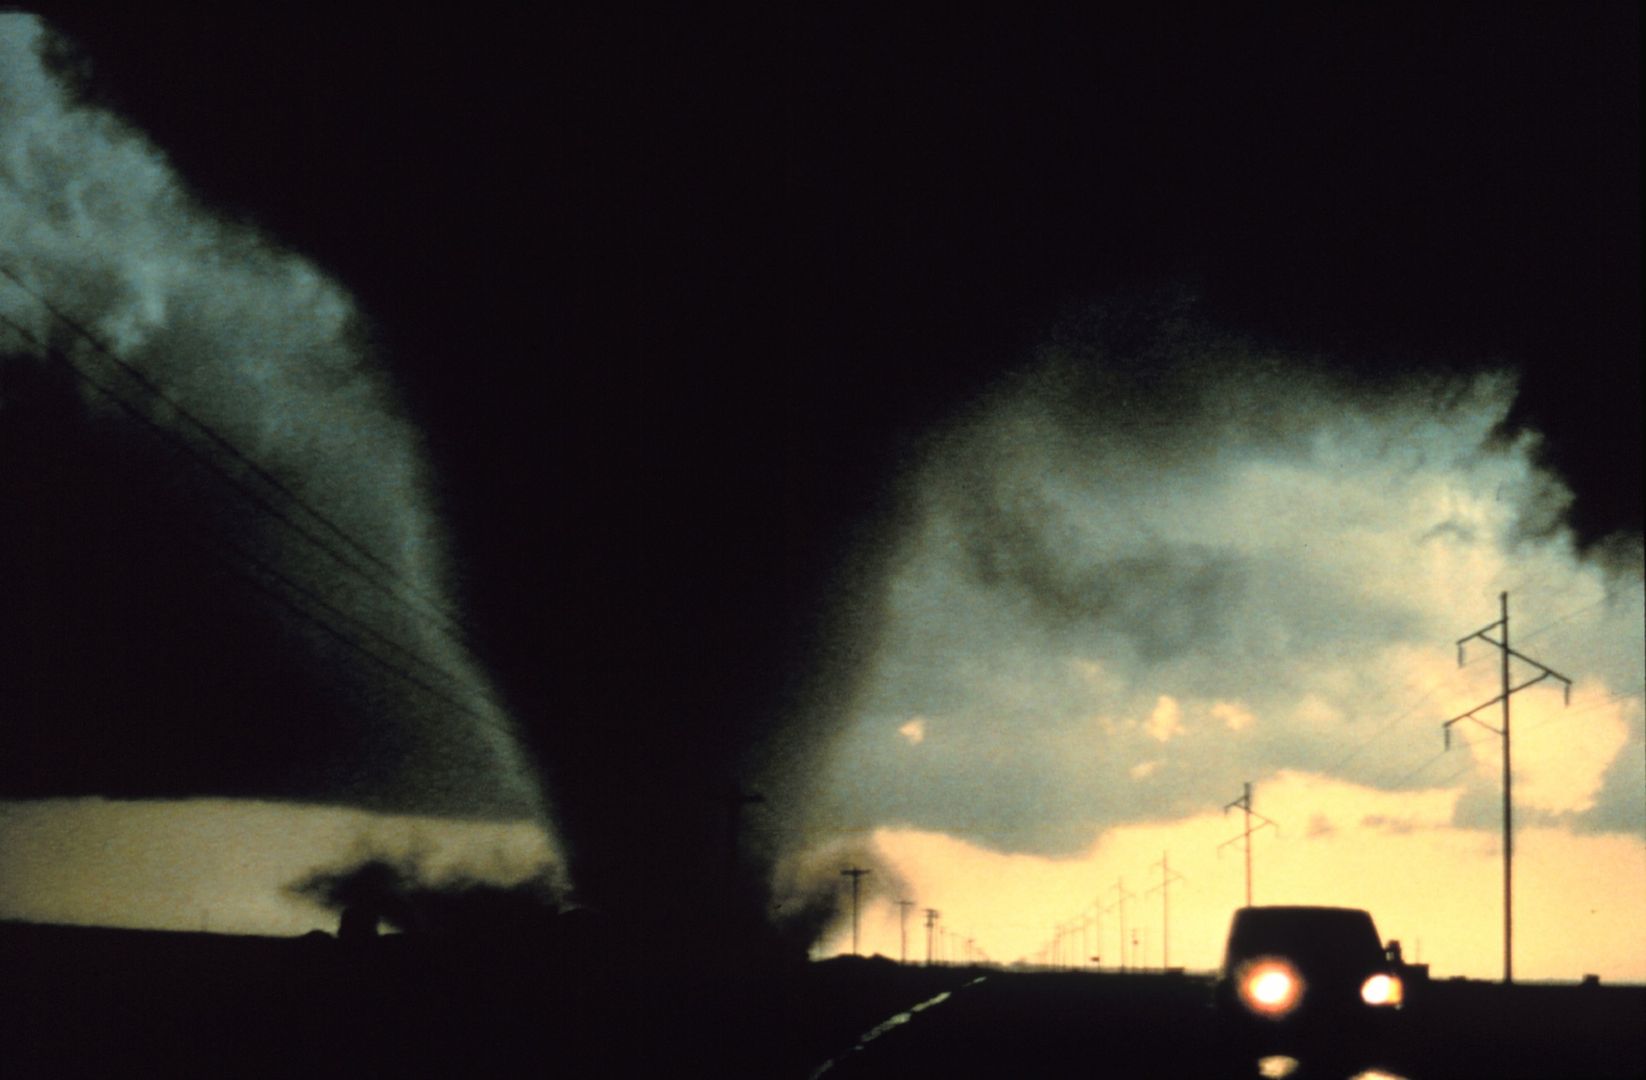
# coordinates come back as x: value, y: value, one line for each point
x: 1311, y: 937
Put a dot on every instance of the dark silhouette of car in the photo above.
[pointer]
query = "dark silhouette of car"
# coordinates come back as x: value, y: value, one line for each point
x: 1308, y: 980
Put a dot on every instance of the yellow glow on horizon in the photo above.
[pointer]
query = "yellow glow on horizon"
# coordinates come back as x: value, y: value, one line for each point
x: 1579, y: 899
x: 222, y: 864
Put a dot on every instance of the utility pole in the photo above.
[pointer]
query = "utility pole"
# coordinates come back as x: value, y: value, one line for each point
x: 735, y: 800
x: 1508, y: 810
x: 1097, y: 929
x: 931, y: 921
x: 855, y: 874
x: 903, y: 907
x: 1167, y: 876
x: 1245, y: 803
x: 1122, y: 894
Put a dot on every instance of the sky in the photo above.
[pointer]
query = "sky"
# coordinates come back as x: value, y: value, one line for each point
x: 993, y: 444
x: 1079, y: 672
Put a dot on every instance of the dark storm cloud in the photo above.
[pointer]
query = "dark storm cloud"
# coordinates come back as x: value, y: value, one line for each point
x: 224, y: 572
x: 675, y: 305
x: 405, y: 893
x: 1105, y: 607
x: 1167, y: 600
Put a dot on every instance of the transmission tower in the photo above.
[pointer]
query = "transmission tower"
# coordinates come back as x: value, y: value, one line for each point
x: 1122, y: 894
x: 931, y: 921
x: 1508, y: 811
x: 1097, y: 930
x: 1245, y: 803
x: 1167, y: 876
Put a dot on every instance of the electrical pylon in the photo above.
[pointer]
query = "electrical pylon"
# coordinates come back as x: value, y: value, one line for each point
x: 1508, y: 806
x: 1245, y: 803
x: 1167, y: 876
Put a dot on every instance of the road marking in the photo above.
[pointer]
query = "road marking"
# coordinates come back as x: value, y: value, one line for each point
x: 887, y: 1025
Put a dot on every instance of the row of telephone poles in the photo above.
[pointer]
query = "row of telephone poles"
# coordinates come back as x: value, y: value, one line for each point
x: 942, y: 945
x: 1070, y: 946
x: 1061, y: 950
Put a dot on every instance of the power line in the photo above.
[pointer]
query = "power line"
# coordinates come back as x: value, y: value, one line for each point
x: 257, y: 500
x: 1434, y: 684
x: 393, y: 669
x: 1453, y: 776
x: 204, y: 428
x: 1552, y: 623
x: 1385, y: 729
x: 1245, y: 803
x: 451, y: 628
x: 170, y: 437
x: 1122, y: 894
x: 314, y: 598
x: 1429, y: 762
x: 1422, y: 766
x: 1097, y: 929
x: 1589, y: 707
x: 1505, y: 652
x: 1167, y: 876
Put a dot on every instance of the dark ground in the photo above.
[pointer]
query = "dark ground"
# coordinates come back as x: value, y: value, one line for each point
x: 93, y: 1002
x: 99, y: 1002
x: 1068, y: 1024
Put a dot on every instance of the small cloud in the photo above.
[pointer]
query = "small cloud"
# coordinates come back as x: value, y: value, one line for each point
x: 1166, y: 721
x: 1233, y: 716
x: 1384, y: 823
x: 914, y: 731
x: 1319, y: 826
x: 1144, y: 769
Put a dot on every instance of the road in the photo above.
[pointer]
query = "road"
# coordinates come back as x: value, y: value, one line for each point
x: 97, y: 1003
x: 1141, y: 1025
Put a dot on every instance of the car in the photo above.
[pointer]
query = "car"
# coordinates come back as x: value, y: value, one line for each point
x: 1312, y: 981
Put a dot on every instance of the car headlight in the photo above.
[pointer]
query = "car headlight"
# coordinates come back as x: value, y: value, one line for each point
x: 1270, y: 987
x: 1382, y: 989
